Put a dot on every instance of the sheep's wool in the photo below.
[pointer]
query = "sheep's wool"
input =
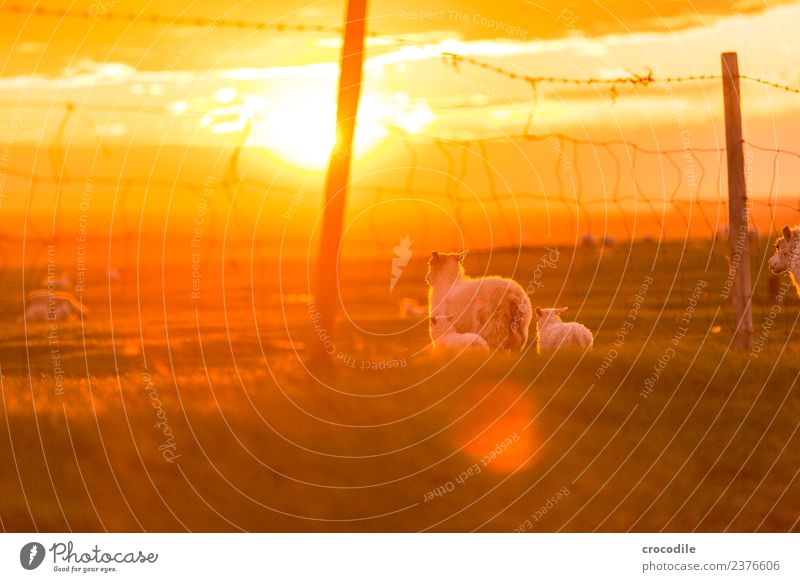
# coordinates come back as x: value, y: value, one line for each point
x: 444, y: 337
x: 554, y: 334
x: 495, y: 308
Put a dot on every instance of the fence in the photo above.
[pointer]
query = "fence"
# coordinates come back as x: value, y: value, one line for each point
x: 578, y: 181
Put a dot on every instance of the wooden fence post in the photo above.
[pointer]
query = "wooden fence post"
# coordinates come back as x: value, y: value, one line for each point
x: 738, y: 229
x: 326, y: 288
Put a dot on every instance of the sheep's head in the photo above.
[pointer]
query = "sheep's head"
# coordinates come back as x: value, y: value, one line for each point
x: 786, y: 250
x: 444, y: 268
x: 549, y: 315
x: 441, y: 324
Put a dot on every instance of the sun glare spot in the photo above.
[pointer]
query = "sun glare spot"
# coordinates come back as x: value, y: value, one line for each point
x: 498, y: 435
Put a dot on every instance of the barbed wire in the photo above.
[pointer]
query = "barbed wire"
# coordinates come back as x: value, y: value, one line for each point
x: 768, y: 83
x: 633, y: 78
x: 141, y: 18
x: 126, y: 108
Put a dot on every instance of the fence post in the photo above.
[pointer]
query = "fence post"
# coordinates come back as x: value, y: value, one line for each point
x: 737, y: 204
x: 326, y: 291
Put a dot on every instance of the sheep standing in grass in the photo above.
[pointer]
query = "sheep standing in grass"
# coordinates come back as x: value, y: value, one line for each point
x: 785, y: 259
x: 57, y: 306
x: 555, y: 334
x: 445, y: 337
x: 495, y: 308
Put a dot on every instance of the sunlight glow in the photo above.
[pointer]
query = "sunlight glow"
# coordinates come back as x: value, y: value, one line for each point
x: 225, y: 95
x: 302, y: 131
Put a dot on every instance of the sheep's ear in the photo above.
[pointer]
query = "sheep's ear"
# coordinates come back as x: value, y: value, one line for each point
x: 787, y: 233
x: 561, y: 309
x: 435, y: 255
x: 460, y: 256
x: 538, y: 311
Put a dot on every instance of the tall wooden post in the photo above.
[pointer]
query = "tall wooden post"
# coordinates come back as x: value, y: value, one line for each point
x: 737, y: 204
x: 326, y: 288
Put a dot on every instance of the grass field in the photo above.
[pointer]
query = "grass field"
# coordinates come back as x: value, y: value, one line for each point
x: 167, y: 413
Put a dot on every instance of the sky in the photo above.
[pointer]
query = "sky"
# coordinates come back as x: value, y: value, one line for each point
x: 106, y: 96
x: 48, y: 45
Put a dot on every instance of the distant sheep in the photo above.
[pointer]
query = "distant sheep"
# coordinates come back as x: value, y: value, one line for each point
x: 588, y: 241
x: 785, y: 258
x: 609, y: 242
x: 445, y: 337
x: 410, y: 307
x: 555, y: 334
x: 496, y: 308
x: 57, y: 306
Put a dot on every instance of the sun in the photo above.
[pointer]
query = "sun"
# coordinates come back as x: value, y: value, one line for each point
x: 302, y: 133
x: 302, y: 130
x: 298, y: 124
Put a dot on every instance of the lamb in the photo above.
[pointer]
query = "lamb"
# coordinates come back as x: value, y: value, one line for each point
x: 555, y: 334
x: 58, y: 306
x: 444, y: 337
x: 786, y: 255
x: 496, y: 308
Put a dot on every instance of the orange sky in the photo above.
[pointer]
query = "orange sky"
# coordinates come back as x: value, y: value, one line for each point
x: 73, y: 89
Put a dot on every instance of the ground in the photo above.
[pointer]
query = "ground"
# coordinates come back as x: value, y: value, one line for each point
x: 164, y: 412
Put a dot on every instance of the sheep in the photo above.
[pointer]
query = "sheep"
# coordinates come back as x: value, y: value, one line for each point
x: 786, y: 255
x: 496, y: 308
x: 609, y: 242
x: 554, y: 333
x: 445, y: 337
x: 409, y: 307
x: 58, y: 306
x: 588, y: 241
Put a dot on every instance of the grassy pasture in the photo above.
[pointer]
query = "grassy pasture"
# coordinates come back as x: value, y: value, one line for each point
x: 173, y: 414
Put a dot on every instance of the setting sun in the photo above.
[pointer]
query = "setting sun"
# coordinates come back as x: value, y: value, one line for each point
x: 300, y: 128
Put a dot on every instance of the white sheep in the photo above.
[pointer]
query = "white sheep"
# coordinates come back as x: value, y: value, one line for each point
x: 785, y: 259
x: 496, y: 308
x: 554, y: 334
x: 58, y: 306
x: 445, y: 337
